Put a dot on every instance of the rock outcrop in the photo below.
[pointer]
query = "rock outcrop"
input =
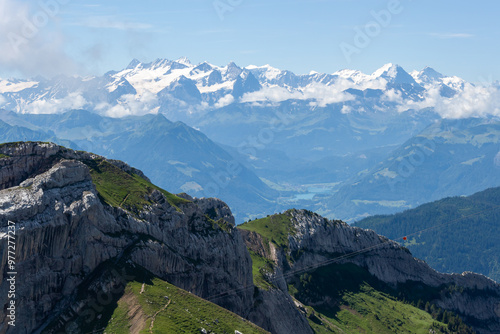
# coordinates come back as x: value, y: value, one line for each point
x: 65, y: 231
x: 320, y: 242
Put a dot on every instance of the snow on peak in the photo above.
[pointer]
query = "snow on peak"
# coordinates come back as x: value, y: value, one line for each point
x: 428, y: 75
x: 393, y: 73
x: 184, y: 61
x: 354, y: 75
x: 429, y: 71
x: 388, y: 70
x: 14, y: 86
x: 161, y: 63
x: 133, y: 64
x: 203, y: 67
x: 266, y: 72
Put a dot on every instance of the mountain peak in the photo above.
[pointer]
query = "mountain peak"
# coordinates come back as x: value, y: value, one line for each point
x: 203, y: 67
x: 428, y: 74
x: 386, y: 69
x: 354, y: 75
x: 133, y: 64
x: 184, y: 61
x: 160, y: 63
x: 393, y: 73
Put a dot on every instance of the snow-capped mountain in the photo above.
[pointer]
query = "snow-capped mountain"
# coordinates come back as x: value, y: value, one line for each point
x: 167, y: 86
x: 427, y: 76
x: 430, y: 78
x: 393, y: 74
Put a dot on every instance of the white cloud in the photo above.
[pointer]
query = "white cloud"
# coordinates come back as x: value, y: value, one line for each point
x: 3, y: 101
x: 472, y: 101
x: 392, y: 95
x: 31, y: 41
x: 451, y: 35
x: 224, y: 101
x: 321, y: 94
x: 55, y: 106
x: 131, y: 105
x: 271, y: 94
x: 346, y: 109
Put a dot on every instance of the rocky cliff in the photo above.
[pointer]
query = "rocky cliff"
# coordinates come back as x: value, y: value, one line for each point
x: 66, y: 230
x: 308, y: 241
x: 85, y: 223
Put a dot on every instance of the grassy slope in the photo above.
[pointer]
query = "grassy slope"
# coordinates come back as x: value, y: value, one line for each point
x: 120, y: 189
x: 185, y: 313
x: 371, y: 311
x: 458, y: 234
x: 346, y: 298
x: 275, y: 229
x: 260, y: 266
x: 123, y: 309
x: 356, y: 303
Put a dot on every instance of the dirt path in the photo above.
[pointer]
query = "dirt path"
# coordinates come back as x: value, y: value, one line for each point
x: 328, y: 322
x: 154, y: 317
x: 124, y: 199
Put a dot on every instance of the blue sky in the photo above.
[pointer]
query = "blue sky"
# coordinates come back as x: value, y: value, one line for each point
x: 89, y: 37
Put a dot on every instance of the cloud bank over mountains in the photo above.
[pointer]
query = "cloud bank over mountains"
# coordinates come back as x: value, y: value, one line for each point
x: 167, y: 86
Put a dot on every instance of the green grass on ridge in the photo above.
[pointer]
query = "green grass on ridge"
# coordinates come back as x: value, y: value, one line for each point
x: 348, y: 299
x: 261, y: 265
x: 174, y: 311
x: 275, y: 228
x: 120, y: 189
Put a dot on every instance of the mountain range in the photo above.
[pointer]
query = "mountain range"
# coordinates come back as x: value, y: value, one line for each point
x: 271, y: 139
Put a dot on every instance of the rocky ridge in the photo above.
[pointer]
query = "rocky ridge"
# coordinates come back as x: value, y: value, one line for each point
x: 314, y: 241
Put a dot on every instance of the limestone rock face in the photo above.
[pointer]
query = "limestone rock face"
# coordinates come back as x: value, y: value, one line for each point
x: 277, y: 313
x: 275, y: 309
x: 322, y: 242
x: 64, y: 232
x: 385, y: 259
x: 60, y: 238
